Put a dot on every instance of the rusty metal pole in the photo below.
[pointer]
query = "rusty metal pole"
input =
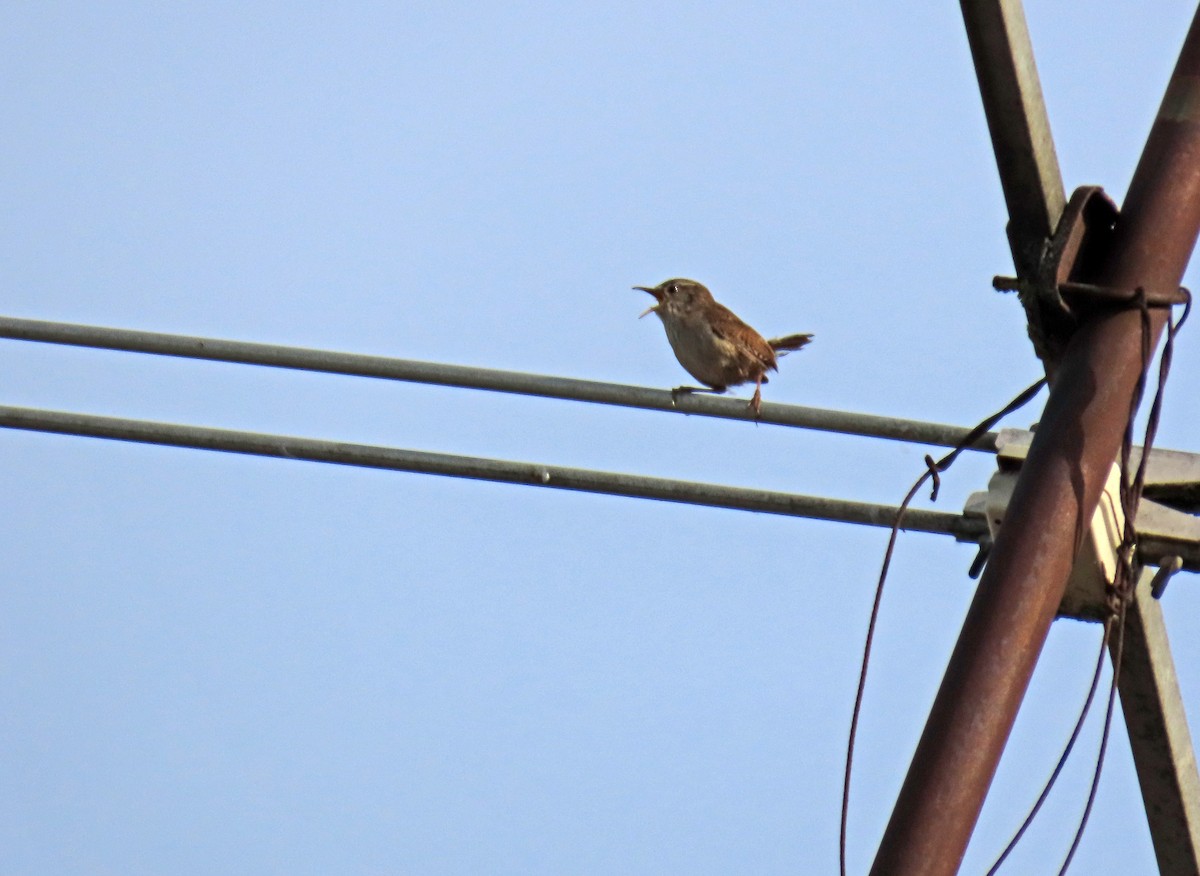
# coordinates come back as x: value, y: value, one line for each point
x: 1060, y: 483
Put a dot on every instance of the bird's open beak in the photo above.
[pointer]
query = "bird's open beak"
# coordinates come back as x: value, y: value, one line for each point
x: 657, y: 293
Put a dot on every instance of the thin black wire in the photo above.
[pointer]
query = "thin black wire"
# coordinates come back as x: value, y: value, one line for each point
x: 932, y: 471
x: 1130, y: 496
x: 1062, y: 760
x: 1104, y: 736
x: 1122, y: 591
x: 1127, y: 539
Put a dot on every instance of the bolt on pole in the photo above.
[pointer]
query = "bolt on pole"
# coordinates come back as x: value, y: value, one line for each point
x: 1072, y: 453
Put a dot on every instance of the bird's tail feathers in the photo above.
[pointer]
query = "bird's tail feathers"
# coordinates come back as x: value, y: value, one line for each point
x: 787, y: 344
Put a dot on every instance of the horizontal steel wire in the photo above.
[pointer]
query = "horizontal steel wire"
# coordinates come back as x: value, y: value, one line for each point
x: 327, y: 361
x: 532, y: 474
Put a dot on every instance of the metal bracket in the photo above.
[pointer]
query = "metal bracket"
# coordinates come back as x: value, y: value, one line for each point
x: 1058, y: 294
x: 1084, y: 231
x: 1163, y: 531
x: 1087, y: 296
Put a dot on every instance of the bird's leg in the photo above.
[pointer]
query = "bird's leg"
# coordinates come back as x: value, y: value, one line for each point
x: 756, y: 402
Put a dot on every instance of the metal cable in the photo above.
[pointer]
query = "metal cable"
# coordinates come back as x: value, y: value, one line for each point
x: 1121, y: 591
x: 932, y: 470
x: 478, y: 468
x: 385, y: 368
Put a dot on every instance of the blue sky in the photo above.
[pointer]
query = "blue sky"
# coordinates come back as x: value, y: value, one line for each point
x: 218, y: 664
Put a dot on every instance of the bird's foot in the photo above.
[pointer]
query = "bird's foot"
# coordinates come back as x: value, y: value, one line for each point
x: 755, y: 405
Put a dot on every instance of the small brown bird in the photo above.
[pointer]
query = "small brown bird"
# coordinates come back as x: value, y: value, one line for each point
x: 715, y: 347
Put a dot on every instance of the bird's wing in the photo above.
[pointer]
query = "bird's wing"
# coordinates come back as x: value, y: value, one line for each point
x: 753, y: 342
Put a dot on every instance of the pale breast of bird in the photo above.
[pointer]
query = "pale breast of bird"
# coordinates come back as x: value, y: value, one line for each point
x: 710, y: 359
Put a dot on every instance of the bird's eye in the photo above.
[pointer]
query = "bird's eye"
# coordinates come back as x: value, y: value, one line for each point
x: 673, y: 288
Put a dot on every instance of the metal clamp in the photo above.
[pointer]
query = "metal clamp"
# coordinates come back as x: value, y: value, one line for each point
x: 1166, y: 531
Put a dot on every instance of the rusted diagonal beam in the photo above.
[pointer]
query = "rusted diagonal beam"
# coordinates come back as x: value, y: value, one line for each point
x: 1159, y: 737
x: 1055, y: 497
x: 1018, y: 124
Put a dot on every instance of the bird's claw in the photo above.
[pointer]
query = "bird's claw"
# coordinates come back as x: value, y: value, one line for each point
x: 755, y: 405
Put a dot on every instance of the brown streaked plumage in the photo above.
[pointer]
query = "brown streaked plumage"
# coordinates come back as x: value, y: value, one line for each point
x: 711, y: 343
